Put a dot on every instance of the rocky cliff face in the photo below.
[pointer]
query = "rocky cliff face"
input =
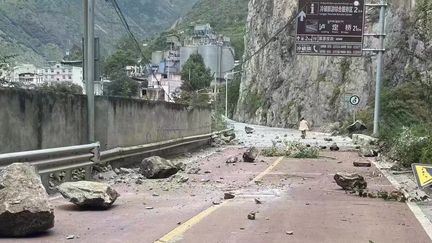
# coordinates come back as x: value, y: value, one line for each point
x: 279, y: 87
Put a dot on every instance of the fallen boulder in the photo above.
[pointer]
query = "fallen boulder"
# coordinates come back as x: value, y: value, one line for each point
x: 250, y: 155
x: 228, y: 196
x: 230, y: 134
x: 334, y: 147
x: 368, y: 152
x: 24, y: 207
x: 362, y: 163
x: 89, y: 194
x: 157, y: 168
x: 251, y: 216
x: 357, y: 126
x: 350, y: 181
x: 249, y: 130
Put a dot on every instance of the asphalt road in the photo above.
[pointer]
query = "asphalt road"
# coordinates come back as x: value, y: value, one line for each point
x: 299, y: 203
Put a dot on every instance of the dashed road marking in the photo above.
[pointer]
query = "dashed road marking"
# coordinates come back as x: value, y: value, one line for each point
x: 268, y: 170
x: 177, y: 233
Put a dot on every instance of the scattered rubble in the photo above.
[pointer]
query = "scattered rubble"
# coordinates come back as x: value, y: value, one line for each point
x: 24, y: 208
x: 334, y: 147
x: 193, y: 171
x: 350, y: 182
x: 232, y: 160
x: 289, y: 232
x: 228, y: 196
x: 251, y: 216
x: 257, y: 201
x: 70, y: 237
x: 328, y: 139
x: 362, y: 163
x: 250, y: 155
x: 249, y: 130
x: 89, y: 194
x: 368, y: 152
x: 395, y: 195
x: 357, y: 126
x: 156, y: 168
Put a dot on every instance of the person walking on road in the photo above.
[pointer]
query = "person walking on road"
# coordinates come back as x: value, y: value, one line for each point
x: 303, y: 127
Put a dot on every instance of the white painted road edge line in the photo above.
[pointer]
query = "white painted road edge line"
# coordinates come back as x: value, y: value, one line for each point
x: 415, y: 209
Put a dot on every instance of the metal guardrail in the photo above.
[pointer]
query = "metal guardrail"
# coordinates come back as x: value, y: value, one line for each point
x: 57, y: 165
x: 121, y: 153
x: 63, y: 164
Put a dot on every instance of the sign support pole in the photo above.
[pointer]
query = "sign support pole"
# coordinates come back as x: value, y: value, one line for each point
x: 89, y: 54
x: 379, y: 71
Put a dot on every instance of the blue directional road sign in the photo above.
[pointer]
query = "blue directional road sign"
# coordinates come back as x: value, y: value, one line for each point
x: 330, y: 27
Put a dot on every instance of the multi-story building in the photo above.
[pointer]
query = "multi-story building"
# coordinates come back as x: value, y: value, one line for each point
x: 30, y: 75
x: 27, y: 74
x: 63, y: 73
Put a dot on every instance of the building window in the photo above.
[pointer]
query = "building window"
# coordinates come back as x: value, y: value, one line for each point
x: 70, y: 77
x: 58, y: 79
x: 63, y: 70
x: 64, y: 77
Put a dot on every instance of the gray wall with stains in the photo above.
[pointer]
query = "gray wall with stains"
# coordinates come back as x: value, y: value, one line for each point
x: 32, y: 120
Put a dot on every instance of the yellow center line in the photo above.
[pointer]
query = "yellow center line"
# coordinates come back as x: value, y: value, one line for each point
x: 178, y: 232
x: 268, y: 170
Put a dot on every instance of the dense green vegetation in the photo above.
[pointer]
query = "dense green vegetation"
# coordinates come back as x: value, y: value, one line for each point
x: 292, y: 150
x: 114, y: 69
x: 195, y: 74
x: 406, y: 117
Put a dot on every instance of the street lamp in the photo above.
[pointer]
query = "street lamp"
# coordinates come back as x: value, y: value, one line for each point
x: 226, y: 91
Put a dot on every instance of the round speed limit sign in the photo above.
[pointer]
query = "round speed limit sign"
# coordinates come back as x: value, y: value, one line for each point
x: 355, y: 100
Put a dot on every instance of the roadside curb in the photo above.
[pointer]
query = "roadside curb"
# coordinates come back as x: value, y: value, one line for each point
x: 415, y: 209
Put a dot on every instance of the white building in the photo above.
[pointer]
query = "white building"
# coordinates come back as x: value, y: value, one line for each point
x: 27, y: 74
x: 169, y: 84
x: 63, y: 73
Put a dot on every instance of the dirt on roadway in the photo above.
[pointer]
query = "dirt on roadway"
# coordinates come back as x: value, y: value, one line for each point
x: 299, y: 202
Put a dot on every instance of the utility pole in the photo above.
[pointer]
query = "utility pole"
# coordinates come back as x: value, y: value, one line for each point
x: 89, y: 64
x: 380, y: 63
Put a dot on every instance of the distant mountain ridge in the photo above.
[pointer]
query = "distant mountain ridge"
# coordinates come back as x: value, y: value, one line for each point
x: 41, y: 30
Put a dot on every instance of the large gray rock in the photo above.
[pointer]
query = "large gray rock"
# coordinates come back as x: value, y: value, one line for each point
x: 250, y: 155
x: 368, y: 152
x: 24, y: 207
x: 249, y: 130
x: 89, y: 194
x: 357, y: 126
x: 350, y: 181
x: 156, y: 168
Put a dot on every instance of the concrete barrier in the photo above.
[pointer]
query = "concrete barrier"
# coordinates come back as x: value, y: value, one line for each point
x: 31, y: 120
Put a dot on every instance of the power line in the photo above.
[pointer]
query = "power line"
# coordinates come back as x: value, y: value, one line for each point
x: 136, y: 42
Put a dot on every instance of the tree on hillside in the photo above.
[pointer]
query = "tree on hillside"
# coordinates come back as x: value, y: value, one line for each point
x: 114, y: 68
x: 195, y: 74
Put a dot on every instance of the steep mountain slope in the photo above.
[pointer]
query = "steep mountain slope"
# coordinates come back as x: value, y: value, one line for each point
x: 38, y: 30
x: 279, y: 87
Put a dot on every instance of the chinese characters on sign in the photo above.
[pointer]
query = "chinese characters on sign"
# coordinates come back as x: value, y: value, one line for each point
x: 330, y: 27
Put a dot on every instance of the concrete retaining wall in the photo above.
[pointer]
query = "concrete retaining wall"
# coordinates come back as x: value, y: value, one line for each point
x: 32, y: 120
